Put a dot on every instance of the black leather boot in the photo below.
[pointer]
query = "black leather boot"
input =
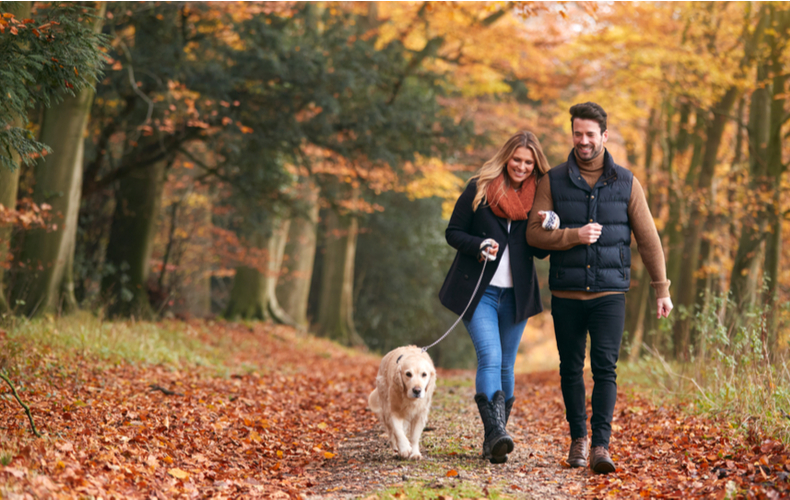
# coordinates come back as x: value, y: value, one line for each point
x: 496, y: 442
x: 508, y: 407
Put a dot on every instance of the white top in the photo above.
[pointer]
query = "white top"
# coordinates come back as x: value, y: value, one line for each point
x: 503, y: 278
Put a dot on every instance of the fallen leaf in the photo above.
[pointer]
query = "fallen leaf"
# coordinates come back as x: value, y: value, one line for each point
x: 178, y: 473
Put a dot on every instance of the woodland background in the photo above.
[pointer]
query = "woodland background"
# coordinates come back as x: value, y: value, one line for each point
x: 298, y: 162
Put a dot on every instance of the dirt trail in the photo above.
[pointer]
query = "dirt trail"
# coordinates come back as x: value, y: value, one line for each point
x: 452, y: 444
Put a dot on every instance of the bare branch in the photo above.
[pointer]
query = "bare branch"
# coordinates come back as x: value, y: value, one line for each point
x: 26, y: 407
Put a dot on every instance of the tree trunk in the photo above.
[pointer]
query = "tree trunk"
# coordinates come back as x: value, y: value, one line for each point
x: 275, y: 265
x: 47, y: 285
x: 9, y: 179
x: 335, y: 304
x: 131, y: 239
x: 776, y: 169
x: 9, y: 182
x: 677, y: 198
x: 46, y: 253
x: 643, y: 298
x: 753, y: 227
x: 687, y: 289
x: 253, y: 287
x: 248, y: 298
x: 293, y: 287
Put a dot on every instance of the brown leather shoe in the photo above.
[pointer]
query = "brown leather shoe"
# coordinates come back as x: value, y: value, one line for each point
x: 577, y: 457
x: 600, y: 462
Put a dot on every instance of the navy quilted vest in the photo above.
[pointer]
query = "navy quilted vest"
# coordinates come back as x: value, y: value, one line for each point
x: 606, y: 264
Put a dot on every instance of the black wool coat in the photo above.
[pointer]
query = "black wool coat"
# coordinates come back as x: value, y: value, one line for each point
x: 465, y: 233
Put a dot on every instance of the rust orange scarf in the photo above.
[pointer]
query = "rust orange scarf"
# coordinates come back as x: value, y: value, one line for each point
x: 506, y: 202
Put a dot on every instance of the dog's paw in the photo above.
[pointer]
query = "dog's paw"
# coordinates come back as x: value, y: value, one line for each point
x: 405, y: 452
x: 415, y: 455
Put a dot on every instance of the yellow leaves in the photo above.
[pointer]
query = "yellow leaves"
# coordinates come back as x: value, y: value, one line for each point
x: 256, y: 438
x: 434, y: 178
x: 178, y: 473
x: 329, y: 455
x: 322, y: 425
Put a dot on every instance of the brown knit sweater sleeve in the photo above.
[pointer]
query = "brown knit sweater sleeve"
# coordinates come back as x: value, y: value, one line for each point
x: 559, y: 239
x: 647, y: 239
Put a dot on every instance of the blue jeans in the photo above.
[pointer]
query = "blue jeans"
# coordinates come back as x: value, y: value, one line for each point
x: 496, y: 337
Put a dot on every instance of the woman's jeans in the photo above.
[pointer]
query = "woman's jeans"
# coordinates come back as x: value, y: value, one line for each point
x: 496, y: 337
x: 604, y: 318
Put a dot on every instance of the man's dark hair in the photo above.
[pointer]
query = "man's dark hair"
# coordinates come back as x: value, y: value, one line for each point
x: 589, y: 111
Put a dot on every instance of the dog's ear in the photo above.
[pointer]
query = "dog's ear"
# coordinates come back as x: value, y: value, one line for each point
x: 432, y: 383
x: 397, y: 378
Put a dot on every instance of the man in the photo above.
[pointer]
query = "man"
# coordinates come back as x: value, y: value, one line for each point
x: 599, y: 204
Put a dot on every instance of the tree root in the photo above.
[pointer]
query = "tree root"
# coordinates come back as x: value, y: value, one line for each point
x: 26, y: 407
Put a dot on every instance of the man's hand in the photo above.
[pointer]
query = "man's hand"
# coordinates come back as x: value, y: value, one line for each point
x: 590, y: 233
x: 664, y: 307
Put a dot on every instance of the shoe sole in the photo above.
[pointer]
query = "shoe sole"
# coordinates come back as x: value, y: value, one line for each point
x: 502, y: 447
x: 578, y: 464
x: 603, y: 468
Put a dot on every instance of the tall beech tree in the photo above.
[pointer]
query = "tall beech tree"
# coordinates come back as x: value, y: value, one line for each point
x: 331, y: 89
x: 759, y: 245
x: 48, y: 55
x: 48, y: 254
x: 293, y: 285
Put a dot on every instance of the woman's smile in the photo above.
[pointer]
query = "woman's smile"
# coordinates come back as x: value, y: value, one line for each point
x: 520, y: 166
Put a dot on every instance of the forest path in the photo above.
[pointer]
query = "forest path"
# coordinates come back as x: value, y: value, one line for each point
x: 452, y: 466
x: 285, y: 416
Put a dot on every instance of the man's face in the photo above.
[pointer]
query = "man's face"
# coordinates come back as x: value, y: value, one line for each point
x: 587, y: 138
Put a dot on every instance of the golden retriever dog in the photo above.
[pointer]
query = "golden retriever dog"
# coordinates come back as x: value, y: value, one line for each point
x: 402, y: 397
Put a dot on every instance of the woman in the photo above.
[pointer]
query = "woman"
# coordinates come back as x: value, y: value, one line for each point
x: 493, y: 209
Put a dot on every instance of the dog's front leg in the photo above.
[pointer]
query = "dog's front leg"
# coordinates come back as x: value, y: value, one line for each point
x: 415, y: 432
x: 400, y: 442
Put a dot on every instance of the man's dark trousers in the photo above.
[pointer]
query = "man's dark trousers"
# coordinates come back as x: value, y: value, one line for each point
x: 604, y: 318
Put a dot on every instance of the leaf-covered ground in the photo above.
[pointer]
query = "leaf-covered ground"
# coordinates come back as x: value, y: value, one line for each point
x: 288, y: 418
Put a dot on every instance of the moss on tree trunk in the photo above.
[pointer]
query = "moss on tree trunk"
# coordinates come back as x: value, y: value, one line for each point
x: 293, y: 287
x: 335, y: 307
x: 131, y: 239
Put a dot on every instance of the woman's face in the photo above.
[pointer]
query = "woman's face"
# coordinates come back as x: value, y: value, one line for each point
x: 520, y: 166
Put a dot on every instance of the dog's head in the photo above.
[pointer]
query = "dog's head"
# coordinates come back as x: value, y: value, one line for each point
x: 417, y: 375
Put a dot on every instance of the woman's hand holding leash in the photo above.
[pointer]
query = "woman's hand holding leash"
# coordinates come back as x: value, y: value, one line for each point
x: 488, y: 250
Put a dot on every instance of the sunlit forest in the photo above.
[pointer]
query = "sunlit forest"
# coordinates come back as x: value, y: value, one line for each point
x: 297, y: 162
x: 216, y: 217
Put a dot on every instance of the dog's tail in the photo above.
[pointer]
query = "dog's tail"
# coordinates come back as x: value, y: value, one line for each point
x: 374, y: 402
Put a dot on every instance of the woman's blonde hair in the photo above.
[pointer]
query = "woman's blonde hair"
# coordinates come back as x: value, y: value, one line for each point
x: 494, y: 167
